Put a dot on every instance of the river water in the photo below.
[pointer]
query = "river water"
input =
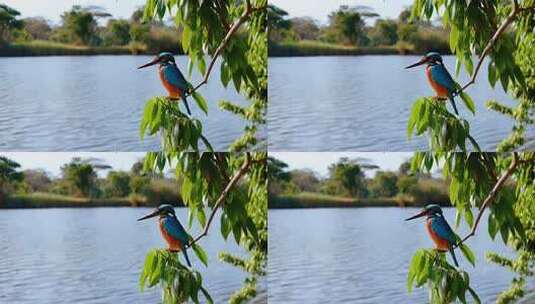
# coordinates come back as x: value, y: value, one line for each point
x: 95, y: 103
x: 95, y: 255
x: 362, y: 256
x: 362, y: 103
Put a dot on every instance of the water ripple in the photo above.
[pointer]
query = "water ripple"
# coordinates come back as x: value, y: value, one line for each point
x: 94, y: 103
x: 360, y: 256
x: 362, y: 103
x: 92, y: 256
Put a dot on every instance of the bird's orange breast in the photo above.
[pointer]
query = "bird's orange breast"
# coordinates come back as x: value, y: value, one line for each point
x: 173, y: 91
x: 440, y: 243
x: 440, y: 90
x: 174, y: 244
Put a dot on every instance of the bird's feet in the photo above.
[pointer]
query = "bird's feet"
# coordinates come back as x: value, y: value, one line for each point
x: 439, y: 98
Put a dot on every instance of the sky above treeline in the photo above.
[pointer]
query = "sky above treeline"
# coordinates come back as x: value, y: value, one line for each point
x: 320, y: 9
x: 52, y: 9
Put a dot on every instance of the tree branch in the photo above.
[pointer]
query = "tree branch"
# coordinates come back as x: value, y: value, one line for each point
x: 490, y: 197
x: 246, y: 14
x: 221, y: 199
x: 512, y: 16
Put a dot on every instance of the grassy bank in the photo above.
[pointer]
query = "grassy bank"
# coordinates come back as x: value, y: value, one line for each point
x: 47, y: 200
x: 316, y: 200
x: 316, y: 48
x: 47, y: 48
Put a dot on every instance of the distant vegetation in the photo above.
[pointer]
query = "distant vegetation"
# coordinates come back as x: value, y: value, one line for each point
x: 348, y: 186
x: 348, y: 34
x: 81, y: 32
x: 79, y: 185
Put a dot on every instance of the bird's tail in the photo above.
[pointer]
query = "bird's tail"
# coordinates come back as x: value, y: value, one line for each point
x: 453, y: 256
x: 186, y: 256
x: 185, y: 99
x: 453, y: 104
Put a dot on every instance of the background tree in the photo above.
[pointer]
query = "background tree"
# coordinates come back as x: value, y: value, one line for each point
x: 305, y: 28
x: 9, y: 175
x: 80, y: 24
x: 305, y: 180
x: 117, y: 32
x: 349, y: 173
x: 384, y: 32
x: 117, y: 184
x: 384, y: 184
x: 8, y: 22
x: 278, y: 23
x: 37, y: 180
x: 37, y: 27
x: 347, y: 24
x: 81, y: 174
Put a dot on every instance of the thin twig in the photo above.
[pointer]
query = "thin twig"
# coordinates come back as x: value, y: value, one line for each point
x: 233, y: 29
x: 490, y: 197
x: 221, y: 199
x: 512, y: 16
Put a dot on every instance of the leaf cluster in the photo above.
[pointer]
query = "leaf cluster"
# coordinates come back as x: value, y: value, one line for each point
x: 446, y: 131
x: 178, y: 282
x: 446, y: 283
x: 178, y: 130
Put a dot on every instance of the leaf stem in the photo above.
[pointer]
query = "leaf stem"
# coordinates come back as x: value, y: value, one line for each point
x: 233, y: 29
x: 490, y: 44
x: 220, y: 200
x: 490, y: 197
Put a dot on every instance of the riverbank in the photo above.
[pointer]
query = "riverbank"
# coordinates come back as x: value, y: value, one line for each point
x: 47, y: 200
x: 316, y: 48
x: 47, y: 48
x: 317, y: 200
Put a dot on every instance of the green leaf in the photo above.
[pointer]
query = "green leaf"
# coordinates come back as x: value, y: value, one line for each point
x: 468, y: 102
x: 415, y: 113
x: 201, y: 254
x: 225, y: 226
x: 201, y: 102
x: 225, y: 74
x: 493, y: 226
x: 454, y: 37
x: 201, y: 216
x: 186, y: 38
x: 414, y: 268
x: 468, y: 254
x: 492, y: 74
x: 469, y: 216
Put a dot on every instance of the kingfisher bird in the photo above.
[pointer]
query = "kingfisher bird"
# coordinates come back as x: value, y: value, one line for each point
x: 172, y: 79
x: 439, y: 77
x: 172, y: 231
x: 438, y: 228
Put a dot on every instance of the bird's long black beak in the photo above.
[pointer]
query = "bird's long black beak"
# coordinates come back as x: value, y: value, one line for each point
x: 417, y: 215
x: 153, y: 62
x: 424, y: 60
x: 153, y: 214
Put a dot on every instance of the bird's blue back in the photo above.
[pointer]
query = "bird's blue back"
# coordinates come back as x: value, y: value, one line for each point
x: 442, y: 77
x: 173, y: 75
x: 443, y: 229
x: 175, y: 229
